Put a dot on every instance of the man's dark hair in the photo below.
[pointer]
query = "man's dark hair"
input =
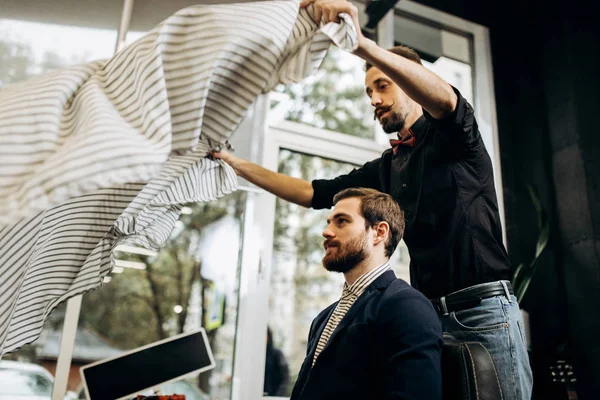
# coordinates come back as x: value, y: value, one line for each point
x: 403, y: 51
x: 378, y: 207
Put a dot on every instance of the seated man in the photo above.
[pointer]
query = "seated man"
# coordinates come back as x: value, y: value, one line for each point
x: 382, y: 339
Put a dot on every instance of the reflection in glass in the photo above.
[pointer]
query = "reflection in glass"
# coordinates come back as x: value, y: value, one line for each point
x: 277, y: 371
x: 191, y: 283
x: 300, y: 286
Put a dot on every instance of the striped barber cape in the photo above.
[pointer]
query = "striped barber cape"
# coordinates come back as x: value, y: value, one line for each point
x: 106, y: 153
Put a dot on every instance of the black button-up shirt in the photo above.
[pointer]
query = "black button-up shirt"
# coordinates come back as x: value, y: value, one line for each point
x: 445, y: 186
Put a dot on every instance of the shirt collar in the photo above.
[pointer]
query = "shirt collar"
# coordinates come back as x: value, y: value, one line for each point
x: 419, y: 127
x: 415, y: 133
x: 360, y: 284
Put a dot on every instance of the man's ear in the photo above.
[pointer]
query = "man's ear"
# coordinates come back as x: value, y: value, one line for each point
x: 382, y: 231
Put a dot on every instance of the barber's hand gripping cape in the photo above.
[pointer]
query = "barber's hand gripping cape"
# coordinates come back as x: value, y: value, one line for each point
x: 106, y: 153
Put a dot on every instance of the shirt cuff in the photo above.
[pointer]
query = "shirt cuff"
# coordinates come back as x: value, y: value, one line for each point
x: 321, y: 196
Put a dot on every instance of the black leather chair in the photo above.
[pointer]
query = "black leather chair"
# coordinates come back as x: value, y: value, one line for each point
x: 468, y: 372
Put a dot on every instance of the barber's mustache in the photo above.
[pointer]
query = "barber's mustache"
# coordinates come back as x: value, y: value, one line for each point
x: 381, y: 109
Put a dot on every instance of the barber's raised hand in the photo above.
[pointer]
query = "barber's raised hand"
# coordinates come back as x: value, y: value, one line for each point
x: 329, y: 11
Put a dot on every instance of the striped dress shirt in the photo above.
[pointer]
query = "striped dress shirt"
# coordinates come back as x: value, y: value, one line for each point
x: 106, y: 153
x: 349, y: 295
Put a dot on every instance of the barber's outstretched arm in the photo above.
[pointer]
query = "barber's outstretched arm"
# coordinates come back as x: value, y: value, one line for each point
x: 423, y: 86
x: 317, y: 194
x: 295, y: 190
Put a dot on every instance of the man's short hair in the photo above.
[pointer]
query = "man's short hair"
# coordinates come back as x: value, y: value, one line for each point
x: 378, y: 207
x: 403, y: 51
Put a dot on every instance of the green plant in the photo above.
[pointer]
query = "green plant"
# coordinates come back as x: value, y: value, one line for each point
x: 524, y: 272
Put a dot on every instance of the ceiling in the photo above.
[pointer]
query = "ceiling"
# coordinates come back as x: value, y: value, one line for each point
x: 96, y: 14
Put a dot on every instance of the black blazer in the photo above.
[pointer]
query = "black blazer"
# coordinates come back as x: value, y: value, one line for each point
x: 388, y: 346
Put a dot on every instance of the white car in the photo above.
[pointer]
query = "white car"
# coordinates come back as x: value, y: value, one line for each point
x: 24, y: 381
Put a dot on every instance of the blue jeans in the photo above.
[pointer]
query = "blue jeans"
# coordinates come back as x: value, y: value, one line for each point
x: 497, y: 323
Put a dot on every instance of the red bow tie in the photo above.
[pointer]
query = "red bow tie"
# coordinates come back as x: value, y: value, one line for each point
x: 407, y: 141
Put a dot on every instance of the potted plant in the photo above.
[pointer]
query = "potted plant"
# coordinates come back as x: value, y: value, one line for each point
x: 524, y: 272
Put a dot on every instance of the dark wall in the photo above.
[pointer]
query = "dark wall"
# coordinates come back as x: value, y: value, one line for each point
x: 547, y: 85
x: 571, y: 79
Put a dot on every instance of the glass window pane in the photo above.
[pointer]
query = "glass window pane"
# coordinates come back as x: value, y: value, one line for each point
x: 191, y: 283
x: 32, y: 48
x: 431, y: 41
x: 300, y: 286
x: 333, y: 98
x: 446, y: 53
x: 457, y: 73
x: 424, y: 38
x: 456, y: 46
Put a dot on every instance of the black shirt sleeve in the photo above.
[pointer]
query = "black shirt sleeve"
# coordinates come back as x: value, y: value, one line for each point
x: 366, y: 176
x: 460, y: 126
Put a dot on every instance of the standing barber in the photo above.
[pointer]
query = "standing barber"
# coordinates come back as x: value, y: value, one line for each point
x: 440, y: 173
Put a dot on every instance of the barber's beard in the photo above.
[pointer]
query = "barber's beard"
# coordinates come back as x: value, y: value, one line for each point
x: 347, y: 256
x: 393, y: 122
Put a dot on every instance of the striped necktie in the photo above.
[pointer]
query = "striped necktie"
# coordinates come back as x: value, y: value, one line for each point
x: 348, y: 298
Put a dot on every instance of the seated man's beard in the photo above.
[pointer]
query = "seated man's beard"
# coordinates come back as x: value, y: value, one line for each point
x: 347, y: 256
x: 394, y: 122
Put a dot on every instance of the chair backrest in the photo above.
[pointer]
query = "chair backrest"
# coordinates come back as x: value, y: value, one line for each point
x: 468, y: 372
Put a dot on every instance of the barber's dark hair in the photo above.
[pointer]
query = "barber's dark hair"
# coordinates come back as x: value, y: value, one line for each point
x: 378, y: 207
x: 403, y: 51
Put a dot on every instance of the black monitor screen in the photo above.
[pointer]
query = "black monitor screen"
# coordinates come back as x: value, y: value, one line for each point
x: 147, y: 366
